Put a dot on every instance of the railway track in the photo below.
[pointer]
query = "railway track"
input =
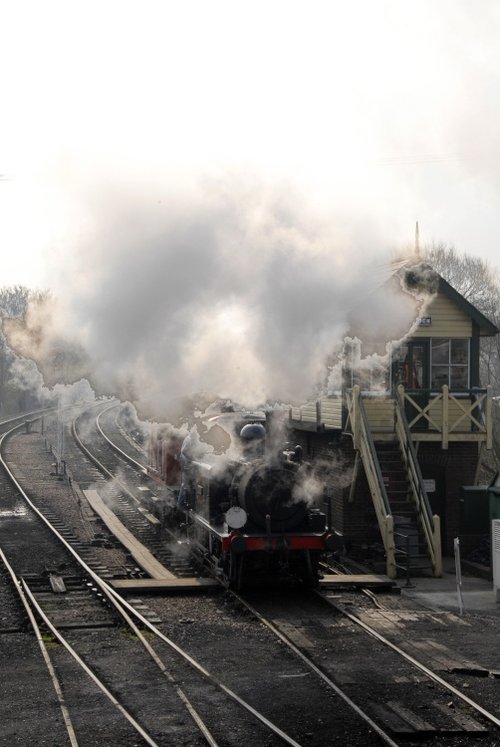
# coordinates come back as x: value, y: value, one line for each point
x: 159, y: 710
x: 323, y: 642
x: 26, y: 417
x: 157, y: 716
x: 406, y: 697
x: 123, y: 482
x: 409, y: 699
x: 109, y: 431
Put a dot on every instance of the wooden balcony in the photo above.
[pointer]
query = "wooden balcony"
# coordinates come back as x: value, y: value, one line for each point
x: 439, y: 416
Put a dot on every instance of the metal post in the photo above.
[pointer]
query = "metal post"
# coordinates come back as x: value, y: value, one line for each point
x: 408, y: 581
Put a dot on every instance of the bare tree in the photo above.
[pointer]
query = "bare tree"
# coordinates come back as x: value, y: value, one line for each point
x: 473, y: 277
x: 14, y: 302
x: 15, y: 299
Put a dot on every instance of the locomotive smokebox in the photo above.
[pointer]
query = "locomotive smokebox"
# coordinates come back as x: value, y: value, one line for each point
x: 268, y: 491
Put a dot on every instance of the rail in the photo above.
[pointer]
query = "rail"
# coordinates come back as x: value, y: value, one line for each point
x: 129, y: 614
x: 491, y: 717
x: 309, y: 663
x: 429, y: 523
x: 363, y: 442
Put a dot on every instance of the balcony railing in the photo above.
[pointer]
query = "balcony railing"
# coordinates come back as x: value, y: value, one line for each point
x: 432, y: 415
x: 449, y: 416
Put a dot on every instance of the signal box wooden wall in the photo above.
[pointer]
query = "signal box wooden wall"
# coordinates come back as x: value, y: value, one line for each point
x: 435, y: 375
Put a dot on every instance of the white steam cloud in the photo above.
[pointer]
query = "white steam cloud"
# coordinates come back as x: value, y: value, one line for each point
x: 25, y: 376
x: 230, y: 291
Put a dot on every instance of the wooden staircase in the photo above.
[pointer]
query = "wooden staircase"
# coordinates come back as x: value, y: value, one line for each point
x: 410, y: 534
x: 411, y: 552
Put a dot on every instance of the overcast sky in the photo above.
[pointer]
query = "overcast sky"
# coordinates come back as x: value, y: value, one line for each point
x: 374, y: 113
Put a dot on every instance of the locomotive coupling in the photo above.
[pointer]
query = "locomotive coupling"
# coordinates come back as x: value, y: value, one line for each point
x: 334, y: 541
x: 238, y: 543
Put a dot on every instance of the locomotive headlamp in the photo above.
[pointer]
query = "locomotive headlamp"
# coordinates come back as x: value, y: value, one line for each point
x: 236, y: 517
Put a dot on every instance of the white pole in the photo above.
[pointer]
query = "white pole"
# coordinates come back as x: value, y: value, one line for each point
x: 458, y: 574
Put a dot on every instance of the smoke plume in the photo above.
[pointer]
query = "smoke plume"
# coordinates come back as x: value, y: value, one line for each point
x: 231, y: 291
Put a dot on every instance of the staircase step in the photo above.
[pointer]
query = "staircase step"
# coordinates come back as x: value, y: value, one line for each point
x: 411, y: 550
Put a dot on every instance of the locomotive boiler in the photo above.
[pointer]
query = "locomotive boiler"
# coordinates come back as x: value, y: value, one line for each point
x: 253, y: 516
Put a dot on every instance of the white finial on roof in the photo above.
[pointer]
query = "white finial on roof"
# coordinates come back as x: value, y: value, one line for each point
x: 417, y: 241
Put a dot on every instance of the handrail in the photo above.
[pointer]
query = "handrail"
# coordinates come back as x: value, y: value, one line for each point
x: 371, y: 452
x: 429, y: 523
x: 364, y: 443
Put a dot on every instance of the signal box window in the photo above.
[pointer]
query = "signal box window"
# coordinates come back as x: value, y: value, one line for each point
x: 410, y: 365
x: 450, y: 363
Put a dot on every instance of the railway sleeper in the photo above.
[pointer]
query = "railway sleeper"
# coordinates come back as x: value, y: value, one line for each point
x: 439, y: 719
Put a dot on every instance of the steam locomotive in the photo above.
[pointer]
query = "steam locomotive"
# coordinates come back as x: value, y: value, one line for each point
x: 252, y: 516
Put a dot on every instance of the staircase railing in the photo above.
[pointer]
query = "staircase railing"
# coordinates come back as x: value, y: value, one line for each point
x: 430, y: 523
x: 363, y: 442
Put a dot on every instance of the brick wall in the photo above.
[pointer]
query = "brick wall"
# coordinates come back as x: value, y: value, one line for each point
x: 334, y: 457
x: 452, y: 468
